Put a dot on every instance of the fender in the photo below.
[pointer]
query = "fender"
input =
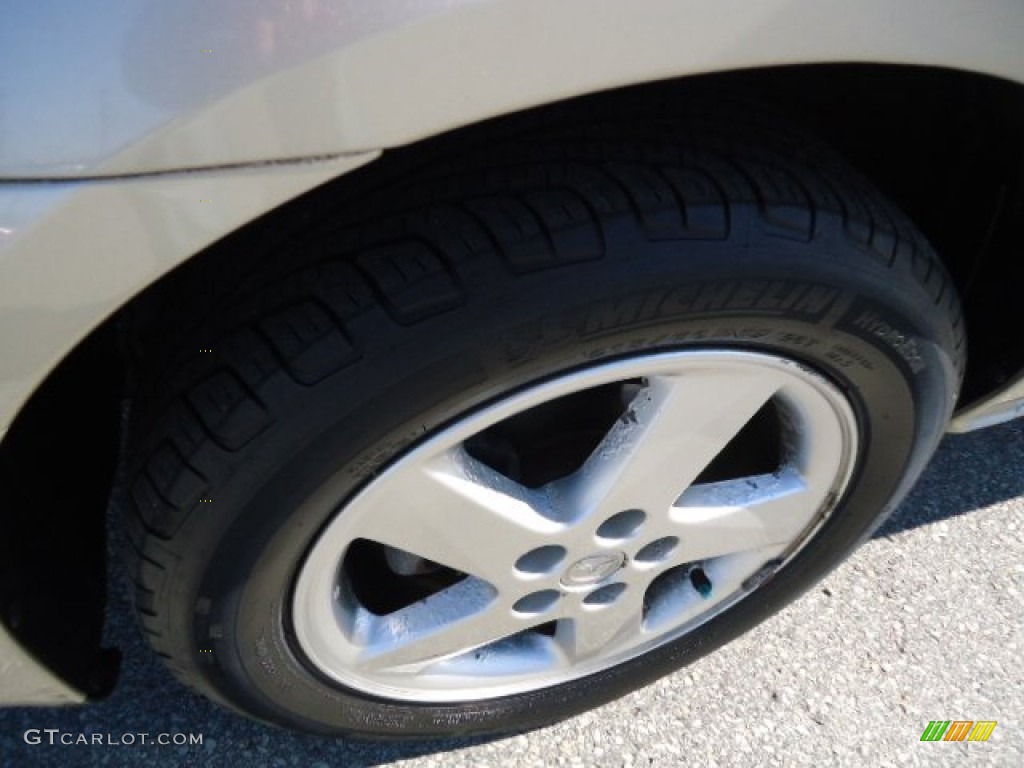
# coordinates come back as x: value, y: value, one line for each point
x: 112, y: 87
x: 73, y: 252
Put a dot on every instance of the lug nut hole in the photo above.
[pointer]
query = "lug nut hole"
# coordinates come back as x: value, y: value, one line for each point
x: 657, y: 550
x: 606, y: 595
x: 536, y: 602
x: 542, y: 560
x: 622, y: 525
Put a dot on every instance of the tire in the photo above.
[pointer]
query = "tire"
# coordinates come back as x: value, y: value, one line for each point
x: 369, y: 332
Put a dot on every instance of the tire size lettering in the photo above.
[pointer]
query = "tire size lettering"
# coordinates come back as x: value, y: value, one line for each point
x: 905, y: 345
x: 796, y: 340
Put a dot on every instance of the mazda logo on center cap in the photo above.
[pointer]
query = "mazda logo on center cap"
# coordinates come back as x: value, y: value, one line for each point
x: 593, y: 569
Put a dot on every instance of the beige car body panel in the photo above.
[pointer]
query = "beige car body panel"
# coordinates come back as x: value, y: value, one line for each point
x: 163, y: 86
x: 132, y: 135
x: 24, y: 681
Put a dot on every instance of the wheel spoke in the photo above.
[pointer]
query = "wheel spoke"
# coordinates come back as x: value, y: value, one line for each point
x: 673, y: 429
x: 455, y: 511
x: 745, y: 514
x: 455, y: 621
x: 674, y: 598
x: 598, y: 631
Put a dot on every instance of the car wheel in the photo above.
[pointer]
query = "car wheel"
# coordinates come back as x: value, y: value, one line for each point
x: 513, y: 436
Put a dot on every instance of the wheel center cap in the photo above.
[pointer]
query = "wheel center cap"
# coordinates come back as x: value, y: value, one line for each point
x: 593, y: 569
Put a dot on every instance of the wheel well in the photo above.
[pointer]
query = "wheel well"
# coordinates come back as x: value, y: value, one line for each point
x: 57, y: 463
x: 944, y: 145
x: 948, y: 148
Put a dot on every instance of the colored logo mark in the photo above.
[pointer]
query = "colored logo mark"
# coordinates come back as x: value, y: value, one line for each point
x: 958, y: 730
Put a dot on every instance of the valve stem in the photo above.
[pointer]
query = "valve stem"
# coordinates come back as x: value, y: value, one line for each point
x: 700, y: 582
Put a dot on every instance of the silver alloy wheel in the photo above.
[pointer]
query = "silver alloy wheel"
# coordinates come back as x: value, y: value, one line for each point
x: 629, y: 551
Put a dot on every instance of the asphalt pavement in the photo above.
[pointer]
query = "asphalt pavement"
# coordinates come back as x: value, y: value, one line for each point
x: 923, y: 623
